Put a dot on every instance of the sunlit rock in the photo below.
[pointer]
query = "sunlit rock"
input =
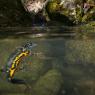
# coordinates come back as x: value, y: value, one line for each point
x: 34, y: 5
x: 36, y: 9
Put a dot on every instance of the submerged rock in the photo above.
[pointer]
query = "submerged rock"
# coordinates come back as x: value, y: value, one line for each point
x: 49, y: 84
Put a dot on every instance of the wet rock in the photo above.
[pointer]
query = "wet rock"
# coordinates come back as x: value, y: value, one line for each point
x: 76, y: 11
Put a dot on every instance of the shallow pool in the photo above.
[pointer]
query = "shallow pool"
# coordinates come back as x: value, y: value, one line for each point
x: 59, y: 66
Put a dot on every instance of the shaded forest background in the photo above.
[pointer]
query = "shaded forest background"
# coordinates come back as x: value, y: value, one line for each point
x: 12, y: 13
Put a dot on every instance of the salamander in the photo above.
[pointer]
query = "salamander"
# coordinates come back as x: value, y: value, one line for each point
x: 16, y: 57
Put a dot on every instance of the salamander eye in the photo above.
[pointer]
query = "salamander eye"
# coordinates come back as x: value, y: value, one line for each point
x: 29, y: 45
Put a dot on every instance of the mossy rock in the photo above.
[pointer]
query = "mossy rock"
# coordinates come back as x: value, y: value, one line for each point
x: 49, y: 84
x: 52, y: 6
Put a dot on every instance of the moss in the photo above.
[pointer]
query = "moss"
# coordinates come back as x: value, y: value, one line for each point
x: 52, y: 6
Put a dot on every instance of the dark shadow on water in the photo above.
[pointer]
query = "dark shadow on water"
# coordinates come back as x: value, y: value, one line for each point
x: 22, y: 82
x: 17, y: 81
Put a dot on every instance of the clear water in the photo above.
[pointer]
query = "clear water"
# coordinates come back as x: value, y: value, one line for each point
x: 59, y: 66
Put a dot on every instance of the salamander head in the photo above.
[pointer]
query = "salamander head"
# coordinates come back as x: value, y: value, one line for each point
x: 28, y: 46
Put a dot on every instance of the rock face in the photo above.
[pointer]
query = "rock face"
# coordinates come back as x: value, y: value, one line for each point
x: 75, y: 10
x: 34, y: 6
x: 54, y: 10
